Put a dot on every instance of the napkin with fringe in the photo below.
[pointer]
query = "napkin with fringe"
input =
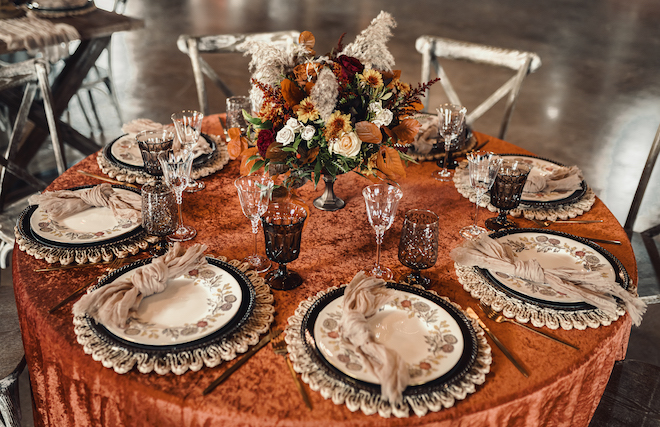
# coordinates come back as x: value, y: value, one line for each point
x: 64, y: 203
x: 561, y: 179
x: 362, y: 299
x: 113, y: 303
x: 132, y: 128
x: 589, y: 286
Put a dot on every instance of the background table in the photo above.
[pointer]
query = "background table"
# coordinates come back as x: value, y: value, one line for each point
x: 70, y: 388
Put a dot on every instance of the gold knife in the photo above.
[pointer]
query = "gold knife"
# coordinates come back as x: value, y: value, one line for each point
x: 497, y: 342
x: 103, y: 178
x: 265, y: 340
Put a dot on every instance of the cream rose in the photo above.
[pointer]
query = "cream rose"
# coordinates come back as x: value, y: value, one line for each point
x: 348, y: 145
x: 285, y: 136
x: 294, y: 124
x: 308, y: 133
x: 383, y: 118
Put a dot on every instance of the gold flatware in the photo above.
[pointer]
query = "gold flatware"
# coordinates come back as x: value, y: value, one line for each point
x: 279, y: 347
x: 548, y: 223
x: 103, y: 178
x: 82, y: 289
x: 265, y: 340
x: 614, y: 242
x: 74, y: 266
x: 497, y: 342
x: 499, y: 318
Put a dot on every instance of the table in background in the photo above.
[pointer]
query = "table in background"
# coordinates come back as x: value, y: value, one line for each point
x: 70, y: 388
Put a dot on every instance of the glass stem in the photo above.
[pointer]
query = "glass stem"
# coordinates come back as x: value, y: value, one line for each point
x: 476, y: 209
x: 178, y: 205
x: 447, y: 146
x: 255, y: 231
x: 379, y: 240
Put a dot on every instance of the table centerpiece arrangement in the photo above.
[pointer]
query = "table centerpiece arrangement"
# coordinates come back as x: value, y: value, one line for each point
x: 322, y: 116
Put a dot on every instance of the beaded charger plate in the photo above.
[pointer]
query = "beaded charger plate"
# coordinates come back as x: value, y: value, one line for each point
x: 539, y: 206
x: 92, y: 235
x: 540, y: 304
x: 446, y: 352
x: 122, y: 160
x: 203, y: 318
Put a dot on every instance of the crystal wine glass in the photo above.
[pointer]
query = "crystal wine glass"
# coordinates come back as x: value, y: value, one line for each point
x: 451, y: 124
x: 482, y: 167
x: 283, y: 225
x: 382, y: 201
x: 176, y: 172
x: 418, y: 246
x: 255, y: 192
x: 506, y: 192
x: 188, y: 125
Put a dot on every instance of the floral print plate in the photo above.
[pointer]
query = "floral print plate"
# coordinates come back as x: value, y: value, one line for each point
x: 192, y: 306
x: 552, y: 249
x: 94, y: 225
x: 426, y: 336
x: 546, y: 166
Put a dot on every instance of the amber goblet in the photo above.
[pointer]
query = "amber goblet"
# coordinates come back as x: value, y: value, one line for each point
x: 283, y: 225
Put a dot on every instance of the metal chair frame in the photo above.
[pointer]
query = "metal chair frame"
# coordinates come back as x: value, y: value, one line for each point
x: 195, y: 46
x: 523, y: 63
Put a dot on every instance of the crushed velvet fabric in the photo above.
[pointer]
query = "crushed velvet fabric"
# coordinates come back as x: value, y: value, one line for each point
x: 561, y: 179
x: 72, y: 389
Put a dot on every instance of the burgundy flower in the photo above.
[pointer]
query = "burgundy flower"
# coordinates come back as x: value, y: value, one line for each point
x: 350, y: 66
x: 265, y: 138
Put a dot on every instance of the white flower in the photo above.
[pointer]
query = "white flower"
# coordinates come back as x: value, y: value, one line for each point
x: 294, y: 124
x: 285, y: 136
x: 348, y: 145
x: 308, y: 132
x: 383, y: 118
x: 375, y: 107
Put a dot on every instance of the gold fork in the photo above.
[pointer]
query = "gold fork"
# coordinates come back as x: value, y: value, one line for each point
x: 548, y: 223
x: 279, y: 347
x: 499, y: 318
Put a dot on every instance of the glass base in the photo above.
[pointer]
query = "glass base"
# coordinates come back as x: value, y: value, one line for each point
x: 160, y: 247
x: 195, y: 186
x: 258, y: 263
x: 380, y: 272
x: 495, y: 225
x: 182, y: 234
x: 283, y: 281
x: 472, y: 232
x: 415, y: 278
x: 443, y: 175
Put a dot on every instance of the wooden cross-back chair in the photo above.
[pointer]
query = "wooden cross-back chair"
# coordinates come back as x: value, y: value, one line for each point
x: 194, y: 47
x: 433, y: 49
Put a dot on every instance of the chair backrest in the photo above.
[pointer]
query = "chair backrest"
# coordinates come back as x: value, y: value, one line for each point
x: 434, y: 48
x: 222, y: 44
x: 643, y: 183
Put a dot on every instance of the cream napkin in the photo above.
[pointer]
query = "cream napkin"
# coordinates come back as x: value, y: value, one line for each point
x: 132, y: 128
x: 64, y: 203
x: 561, y: 179
x: 590, y: 286
x: 362, y: 299
x: 113, y: 303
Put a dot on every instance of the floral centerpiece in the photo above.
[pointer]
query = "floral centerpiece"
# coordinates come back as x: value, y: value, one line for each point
x: 328, y: 115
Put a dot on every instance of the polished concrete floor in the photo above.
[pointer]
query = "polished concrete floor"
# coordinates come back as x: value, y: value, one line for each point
x: 595, y: 102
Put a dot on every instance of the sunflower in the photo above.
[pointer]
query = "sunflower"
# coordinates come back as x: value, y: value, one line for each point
x: 371, y: 78
x: 336, y: 125
x: 306, y: 111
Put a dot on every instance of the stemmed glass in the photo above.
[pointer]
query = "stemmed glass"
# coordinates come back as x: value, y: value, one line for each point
x: 188, y: 125
x: 176, y: 172
x: 506, y: 192
x: 451, y: 124
x: 418, y: 246
x: 382, y: 201
x: 158, y: 214
x: 283, y: 225
x: 482, y: 167
x: 255, y: 192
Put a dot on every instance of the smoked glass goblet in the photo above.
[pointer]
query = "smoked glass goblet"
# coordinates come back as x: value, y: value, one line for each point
x: 482, y: 167
x: 382, y: 201
x: 283, y: 225
x: 451, y: 124
x: 159, y: 214
x: 255, y: 192
x: 151, y: 144
x: 506, y: 192
x: 188, y: 125
x: 418, y: 246
x: 235, y: 117
x: 176, y: 172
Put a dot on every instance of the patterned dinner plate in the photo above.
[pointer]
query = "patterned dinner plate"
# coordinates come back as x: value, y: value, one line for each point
x: 433, y: 337
x: 546, y: 167
x: 553, y: 249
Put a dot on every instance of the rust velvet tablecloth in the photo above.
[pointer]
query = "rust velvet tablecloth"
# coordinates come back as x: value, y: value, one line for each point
x: 71, y: 389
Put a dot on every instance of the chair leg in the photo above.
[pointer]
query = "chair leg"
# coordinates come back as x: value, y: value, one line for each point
x: 10, y: 404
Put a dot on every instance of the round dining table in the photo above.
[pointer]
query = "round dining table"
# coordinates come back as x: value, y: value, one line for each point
x: 70, y: 388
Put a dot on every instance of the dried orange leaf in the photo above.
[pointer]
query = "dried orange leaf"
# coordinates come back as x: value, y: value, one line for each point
x: 275, y: 152
x: 236, y: 144
x: 390, y: 163
x: 246, y: 165
x: 292, y: 93
x: 407, y: 130
x: 307, y: 40
x: 368, y: 132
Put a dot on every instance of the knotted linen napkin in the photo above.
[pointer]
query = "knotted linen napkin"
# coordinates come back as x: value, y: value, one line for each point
x: 113, y: 303
x: 132, y: 128
x: 362, y: 299
x: 64, y: 203
x: 589, y: 286
x: 561, y: 179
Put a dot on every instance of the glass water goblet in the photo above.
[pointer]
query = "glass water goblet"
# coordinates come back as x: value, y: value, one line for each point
x: 482, y: 167
x: 382, y: 201
x: 151, y: 144
x: 418, y: 246
x: 283, y: 225
x: 176, y: 172
x: 506, y: 192
x: 451, y: 124
x: 188, y: 125
x: 159, y: 214
x: 235, y: 117
x: 255, y: 192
